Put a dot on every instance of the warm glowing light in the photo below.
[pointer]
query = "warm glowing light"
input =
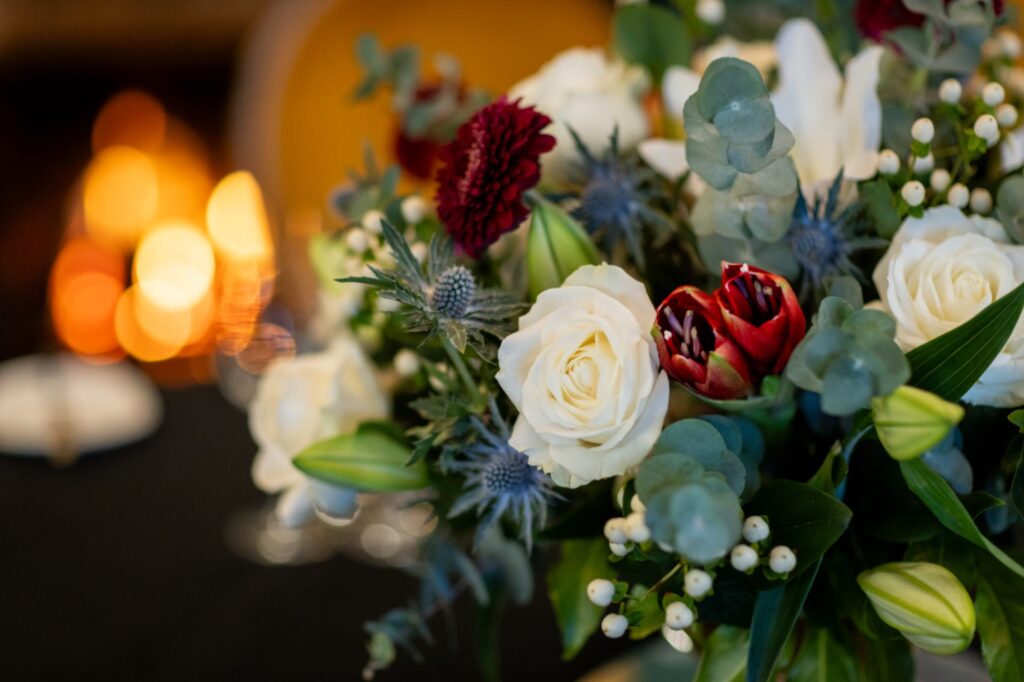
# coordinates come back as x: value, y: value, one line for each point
x: 269, y: 342
x: 85, y: 283
x: 183, y: 175
x: 131, y: 118
x: 244, y: 291
x: 237, y: 220
x: 174, y: 265
x: 120, y: 195
x: 134, y: 337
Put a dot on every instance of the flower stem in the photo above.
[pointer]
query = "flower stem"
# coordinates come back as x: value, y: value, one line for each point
x: 463, y: 371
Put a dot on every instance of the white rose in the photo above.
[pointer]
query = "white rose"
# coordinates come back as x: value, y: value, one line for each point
x: 583, y: 372
x: 587, y: 91
x: 302, y: 400
x: 940, y: 271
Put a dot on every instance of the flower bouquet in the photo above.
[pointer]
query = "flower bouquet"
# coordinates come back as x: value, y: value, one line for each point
x: 717, y: 329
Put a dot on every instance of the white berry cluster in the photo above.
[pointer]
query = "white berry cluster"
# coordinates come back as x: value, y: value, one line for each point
x: 747, y: 555
x: 625, y: 532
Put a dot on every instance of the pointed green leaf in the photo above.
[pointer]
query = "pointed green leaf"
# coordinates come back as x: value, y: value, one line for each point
x: 775, y: 613
x: 1000, y: 607
x: 725, y: 655
x: 366, y: 460
x: 654, y: 37
x: 581, y: 562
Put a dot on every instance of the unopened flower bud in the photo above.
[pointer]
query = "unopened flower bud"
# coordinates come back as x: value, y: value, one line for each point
x: 697, y: 583
x: 913, y: 193
x: 755, y: 529
x: 923, y: 130
x: 600, y: 592
x: 614, y: 625
x: 925, y: 602
x: 993, y: 94
x: 781, y: 559
x: 910, y: 421
x: 950, y: 91
x: 615, y: 530
x: 743, y: 558
x: 987, y: 128
x: 958, y: 195
x: 888, y: 162
x: 556, y: 247
x: 678, y: 615
x: 1006, y: 115
x: 939, y: 180
x: 636, y: 528
x: 981, y: 200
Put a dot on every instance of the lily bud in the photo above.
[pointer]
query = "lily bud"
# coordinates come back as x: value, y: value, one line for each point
x: 694, y: 348
x: 556, y: 247
x: 925, y: 602
x: 910, y: 422
x: 762, y: 314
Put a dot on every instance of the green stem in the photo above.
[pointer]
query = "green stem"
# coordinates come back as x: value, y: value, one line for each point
x: 463, y: 371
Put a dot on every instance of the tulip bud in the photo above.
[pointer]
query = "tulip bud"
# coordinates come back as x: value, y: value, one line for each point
x: 910, y: 421
x: 694, y: 348
x: 556, y: 247
x: 925, y: 602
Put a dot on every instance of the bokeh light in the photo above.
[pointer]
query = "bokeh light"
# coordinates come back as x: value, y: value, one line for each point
x: 237, y: 220
x: 85, y: 284
x: 132, y: 118
x: 134, y: 338
x: 174, y: 264
x: 120, y: 195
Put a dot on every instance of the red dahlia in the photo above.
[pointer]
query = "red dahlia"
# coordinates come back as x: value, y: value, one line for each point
x: 493, y: 159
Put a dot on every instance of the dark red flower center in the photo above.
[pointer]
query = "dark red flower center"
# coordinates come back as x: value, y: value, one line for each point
x: 753, y: 300
x: 692, y: 336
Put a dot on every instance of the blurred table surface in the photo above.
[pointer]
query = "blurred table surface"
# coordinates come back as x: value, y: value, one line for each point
x: 117, y: 569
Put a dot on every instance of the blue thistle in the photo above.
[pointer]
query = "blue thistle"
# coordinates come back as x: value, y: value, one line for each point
x: 823, y: 240
x: 615, y: 196
x: 454, y: 292
x: 500, y: 480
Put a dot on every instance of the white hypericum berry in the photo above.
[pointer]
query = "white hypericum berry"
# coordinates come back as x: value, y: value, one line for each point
x: 993, y: 94
x: 981, y: 201
x: 619, y: 548
x: 1009, y: 42
x: 755, y: 529
x: 923, y: 130
x: 636, y: 528
x: 940, y: 180
x: 987, y: 128
x: 913, y: 193
x: 781, y: 559
x: 678, y: 615
x: 414, y: 209
x: 667, y: 548
x: 677, y: 639
x: 614, y: 625
x: 924, y: 164
x: 958, y: 195
x: 743, y: 558
x: 356, y: 241
x: 407, y: 363
x: 637, y: 505
x: 950, y: 91
x: 371, y: 220
x: 600, y: 592
x: 1006, y: 115
x: 697, y: 583
x: 711, y: 11
x: 419, y: 251
x: 888, y: 162
x: 615, y: 530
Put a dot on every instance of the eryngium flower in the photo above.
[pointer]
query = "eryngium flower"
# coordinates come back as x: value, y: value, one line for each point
x: 492, y: 161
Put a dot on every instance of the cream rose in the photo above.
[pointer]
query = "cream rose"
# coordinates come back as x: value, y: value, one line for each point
x: 583, y: 372
x: 300, y: 401
x: 940, y: 271
x: 592, y: 93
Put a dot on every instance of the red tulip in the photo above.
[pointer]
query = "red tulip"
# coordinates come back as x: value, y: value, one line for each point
x: 761, y: 314
x: 694, y: 348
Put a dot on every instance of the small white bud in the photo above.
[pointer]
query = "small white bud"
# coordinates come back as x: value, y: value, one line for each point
x: 600, y: 592
x: 615, y: 530
x: 677, y: 639
x: 743, y: 558
x: 371, y: 220
x: 958, y: 195
x: 888, y: 162
x: 414, y: 209
x: 619, y: 548
x: 993, y: 94
x: 636, y: 528
x: 637, y: 505
x: 987, y: 128
x: 923, y: 130
x: 711, y: 11
x: 913, y: 193
x: 407, y: 363
x: 981, y: 200
x: 1009, y: 41
x: 1006, y: 115
x: 614, y: 625
x: 419, y: 250
x: 697, y: 583
x: 940, y: 180
x: 924, y: 164
x: 755, y: 529
x: 356, y: 241
x: 387, y: 305
x: 950, y: 91
x: 781, y: 559
x: 678, y: 615
x: 665, y: 547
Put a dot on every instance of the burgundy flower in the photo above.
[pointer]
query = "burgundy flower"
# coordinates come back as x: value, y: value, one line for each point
x: 761, y: 314
x: 493, y: 159
x: 875, y: 18
x: 694, y: 348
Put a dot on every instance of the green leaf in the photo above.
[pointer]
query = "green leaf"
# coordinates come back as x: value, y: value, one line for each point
x: 886, y: 660
x: 823, y: 659
x: 1017, y: 486
x: 1017, y: 419
x: 581, y: 562
x: 775, y: 613
x: 933, y: 490
x: 949, y: 365
x: 365, y: 460
x: 654, y: 37
x: 725, y: 655
x: 645, y: 614
x: 804, y: 519
x: 999, y: 604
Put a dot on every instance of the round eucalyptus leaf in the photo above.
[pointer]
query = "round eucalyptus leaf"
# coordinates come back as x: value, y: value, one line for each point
x: 750, y: 157
x: 871, y: 322
x: 694, y: 437
x: 728, y: 429
x: 706, y: 519
x: 669, y: 470
x: 847, y: 386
